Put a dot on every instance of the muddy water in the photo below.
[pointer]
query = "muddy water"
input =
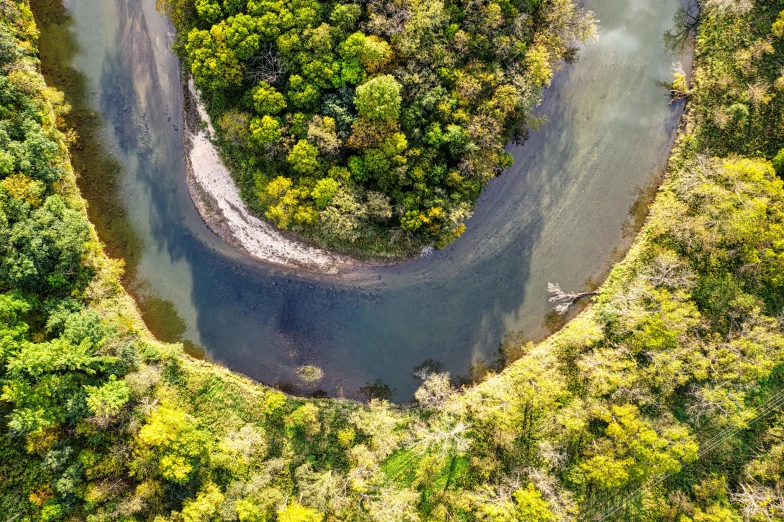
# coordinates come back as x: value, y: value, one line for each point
x: 559, y: 214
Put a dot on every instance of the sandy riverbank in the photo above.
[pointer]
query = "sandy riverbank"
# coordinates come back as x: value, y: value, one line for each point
x: 218, y: 201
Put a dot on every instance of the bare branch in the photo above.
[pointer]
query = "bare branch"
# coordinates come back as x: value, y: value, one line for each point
x: 563, y: 300
x: 266, y: 66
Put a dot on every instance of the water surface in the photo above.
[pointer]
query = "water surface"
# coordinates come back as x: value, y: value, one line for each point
x: 558, y: 214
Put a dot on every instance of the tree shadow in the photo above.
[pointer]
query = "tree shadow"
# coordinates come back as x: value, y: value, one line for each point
x: 98, y: 171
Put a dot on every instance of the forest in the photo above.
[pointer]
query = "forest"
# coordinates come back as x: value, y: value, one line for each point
x: 371, y: 128
x: 660, y: 402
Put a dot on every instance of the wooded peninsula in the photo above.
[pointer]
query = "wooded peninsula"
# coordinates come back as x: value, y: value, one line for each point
x: 371, y: 129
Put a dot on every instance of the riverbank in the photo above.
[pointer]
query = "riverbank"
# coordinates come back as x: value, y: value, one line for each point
x: 218, y: 201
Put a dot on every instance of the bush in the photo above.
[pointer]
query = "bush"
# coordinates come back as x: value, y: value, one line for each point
x: 778, y: 162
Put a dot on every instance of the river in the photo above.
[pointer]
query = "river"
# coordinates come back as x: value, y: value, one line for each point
x: 562, y: 213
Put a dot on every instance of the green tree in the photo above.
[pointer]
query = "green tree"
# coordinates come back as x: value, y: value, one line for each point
x: 213, y: 64
x: 284, y: 203
x: 249, y: 511
x: 302, y: 94
x: 303, y: 158
x: 778, y: 162
x: 361, y: 52
x: 208, y: 10
x: 345, y: 16
x: 324, y: 191
x: 778, y: 26
x: 295, y: 512
x: 434, y: 136
x: 304, y: 420
x: 264, y: 130
x: 233, y: 7
x: 106, y: 400
x: 240, y: 34
x: 42, y: 250
x: 634, y: 451
x: 321, y: 74
x: 12, y: 328
x: 170, y: 442
x: 35, y: 155
x: 530, y: 506
x: 379, y: 98
x: 457, y: 139
x: 205, y: 506
x: 267, y: 100
x: 6, y: 163
x: 274, y: 404
x: 46, y: 382
x: 537, y: 59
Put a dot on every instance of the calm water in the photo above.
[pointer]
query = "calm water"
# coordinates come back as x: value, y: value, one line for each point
x: 558, y: 215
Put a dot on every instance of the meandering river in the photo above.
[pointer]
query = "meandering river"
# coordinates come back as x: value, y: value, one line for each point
x: 562, y: 213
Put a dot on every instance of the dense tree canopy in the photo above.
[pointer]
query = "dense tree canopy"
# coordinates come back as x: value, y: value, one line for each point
x: 408, y: 101
x: 59, y: 363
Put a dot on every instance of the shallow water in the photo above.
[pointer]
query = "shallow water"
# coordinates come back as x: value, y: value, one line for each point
x: 559, y: 214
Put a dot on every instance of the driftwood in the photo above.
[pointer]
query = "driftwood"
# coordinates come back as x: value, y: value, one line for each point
x: 678, y: 95
x: 564, y: 300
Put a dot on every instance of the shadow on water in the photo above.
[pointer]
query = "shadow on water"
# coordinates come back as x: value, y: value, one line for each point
x: 97, y: 170
x: 129, y: 72
x: 556, y: 215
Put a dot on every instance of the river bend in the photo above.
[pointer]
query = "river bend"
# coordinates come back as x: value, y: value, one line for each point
x: 562, y: 213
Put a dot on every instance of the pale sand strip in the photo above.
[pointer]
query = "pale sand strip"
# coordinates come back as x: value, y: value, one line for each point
x: 218, y: 200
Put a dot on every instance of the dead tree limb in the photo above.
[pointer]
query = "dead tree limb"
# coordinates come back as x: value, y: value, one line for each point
x: 564, y: 300
x: 266, y: 66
